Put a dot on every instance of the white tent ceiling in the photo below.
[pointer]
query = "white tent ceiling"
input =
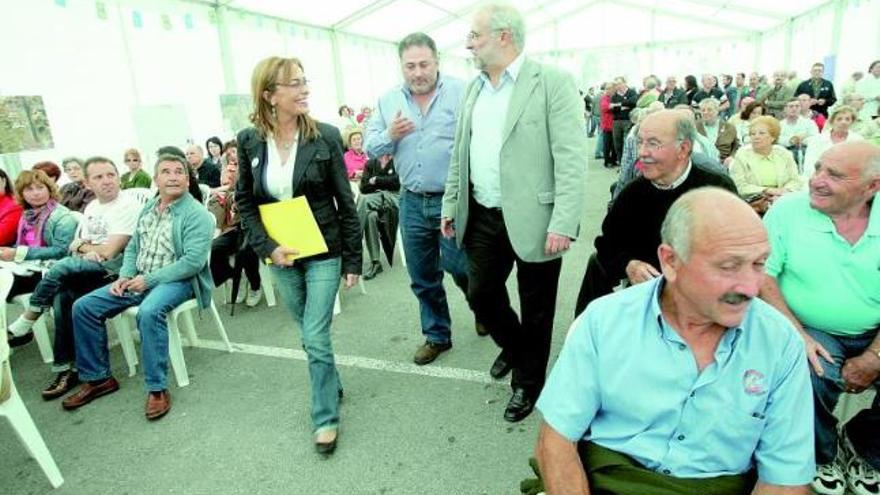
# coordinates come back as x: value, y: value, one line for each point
x: 552, y: 24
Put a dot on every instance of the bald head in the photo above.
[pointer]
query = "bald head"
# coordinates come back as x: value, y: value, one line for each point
x: 194, y: 155
x: 861, y: 157
x: 705, y: 213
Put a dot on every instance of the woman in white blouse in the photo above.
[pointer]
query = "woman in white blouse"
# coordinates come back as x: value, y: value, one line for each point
x: 288, y: 154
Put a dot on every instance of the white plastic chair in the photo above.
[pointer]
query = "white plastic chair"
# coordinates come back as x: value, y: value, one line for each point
x: 123, y: 326
x: 140, y: 194
x: 12, y: 407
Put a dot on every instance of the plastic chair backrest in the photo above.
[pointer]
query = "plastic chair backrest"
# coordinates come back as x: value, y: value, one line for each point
x: 140, y: 194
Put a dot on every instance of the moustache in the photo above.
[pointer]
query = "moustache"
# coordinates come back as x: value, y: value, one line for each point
x: 735, y: 298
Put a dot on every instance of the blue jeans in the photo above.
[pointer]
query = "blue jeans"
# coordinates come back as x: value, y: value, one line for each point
x: 309, y: 288
x: 862, y: 429
x: 91, y: 311
x: 67, y: 280
x: 599, y: 151
x: 428, y: 255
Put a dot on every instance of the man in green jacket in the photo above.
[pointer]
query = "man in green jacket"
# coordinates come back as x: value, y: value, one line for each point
x: 165, y: 264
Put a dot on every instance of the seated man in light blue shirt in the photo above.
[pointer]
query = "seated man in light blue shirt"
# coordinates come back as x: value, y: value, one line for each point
x: 688, y: 383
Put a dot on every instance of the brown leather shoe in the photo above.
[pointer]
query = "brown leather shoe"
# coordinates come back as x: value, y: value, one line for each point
x: 89, y: 392
x: 158, y: 405
x: 63, y: 383
x: 429, y: 351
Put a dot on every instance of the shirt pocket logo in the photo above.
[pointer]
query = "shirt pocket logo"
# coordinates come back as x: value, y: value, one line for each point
x: 754, y: 383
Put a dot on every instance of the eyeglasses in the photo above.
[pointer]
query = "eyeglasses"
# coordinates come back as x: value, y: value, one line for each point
x: 652, y: 145
x: 295, y: 83
x: 471, y: 36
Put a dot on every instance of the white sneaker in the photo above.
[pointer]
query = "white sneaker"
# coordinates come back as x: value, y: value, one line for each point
x: 828, y: 480
x: 253, y: 297
x: 861, y: 477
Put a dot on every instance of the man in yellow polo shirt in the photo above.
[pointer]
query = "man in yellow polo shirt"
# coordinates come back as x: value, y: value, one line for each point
x: 824, y: 274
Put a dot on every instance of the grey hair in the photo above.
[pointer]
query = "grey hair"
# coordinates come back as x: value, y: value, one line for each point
x: 686, y: 129
x: 678, y: 226
x: 504, y: 16
x: 711, y: 101
x: 416, y: 39
x: 872, y: 170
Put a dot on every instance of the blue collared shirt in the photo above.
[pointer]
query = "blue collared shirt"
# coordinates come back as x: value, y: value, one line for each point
x: 421, y: 157
x: 627, y: 381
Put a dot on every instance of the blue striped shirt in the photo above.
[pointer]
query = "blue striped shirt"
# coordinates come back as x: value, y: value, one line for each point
x: 421, y: 157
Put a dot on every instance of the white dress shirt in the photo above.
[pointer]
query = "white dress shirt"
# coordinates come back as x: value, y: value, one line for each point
x: 487, y: 129
x: 279, y: 176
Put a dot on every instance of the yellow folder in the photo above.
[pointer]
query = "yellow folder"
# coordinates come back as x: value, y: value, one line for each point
x: 291, y: 224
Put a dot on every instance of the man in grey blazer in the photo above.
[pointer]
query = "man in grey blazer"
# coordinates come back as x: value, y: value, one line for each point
x: 514, y: 194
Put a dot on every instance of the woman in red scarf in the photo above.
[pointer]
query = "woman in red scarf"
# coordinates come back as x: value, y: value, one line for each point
x: 44, y: 232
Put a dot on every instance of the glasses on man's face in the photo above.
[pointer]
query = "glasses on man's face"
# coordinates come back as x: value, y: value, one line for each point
x: 471, y: 36
x: 295, y: 84
x: 651, y: 145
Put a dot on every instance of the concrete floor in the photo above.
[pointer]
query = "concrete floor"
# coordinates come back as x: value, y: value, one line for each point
x: 242, y: 425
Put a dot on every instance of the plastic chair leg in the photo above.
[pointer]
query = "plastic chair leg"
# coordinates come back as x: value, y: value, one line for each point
x: 190, y: 328
x: 123, y: 331
x: 220, y: 328
x: 30, y: 437
x: 44, y: 343
x: 175, y: 353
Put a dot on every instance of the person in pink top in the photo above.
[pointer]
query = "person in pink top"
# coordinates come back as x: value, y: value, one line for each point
x: 10, y: 211
x: 355, y: 158
x: 606, y: 122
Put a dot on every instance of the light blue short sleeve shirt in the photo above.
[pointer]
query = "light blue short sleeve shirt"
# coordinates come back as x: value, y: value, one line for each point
x: 627, y: 381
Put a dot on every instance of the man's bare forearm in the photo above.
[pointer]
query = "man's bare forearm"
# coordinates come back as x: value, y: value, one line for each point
x: 560, y: 464
x: 766, y: 489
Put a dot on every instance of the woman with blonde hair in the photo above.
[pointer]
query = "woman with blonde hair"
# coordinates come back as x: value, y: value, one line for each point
x: 135, y: 177
x: 837, y: 130
x: 45, y: 231
x: 288, y: 154
x: 763, y: 171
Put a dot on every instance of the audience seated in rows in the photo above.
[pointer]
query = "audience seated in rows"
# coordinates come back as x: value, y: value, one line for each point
x: 92, y: 260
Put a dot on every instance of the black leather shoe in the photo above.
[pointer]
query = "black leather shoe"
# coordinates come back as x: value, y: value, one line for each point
x: 63, y: 383
x: 481, y: 329
x: 501, y: 366
x: 19, y: 340
x: 519, y: 406
x: 375, y: 269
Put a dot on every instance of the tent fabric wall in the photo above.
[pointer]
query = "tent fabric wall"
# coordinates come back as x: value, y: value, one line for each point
x: 96, y: 71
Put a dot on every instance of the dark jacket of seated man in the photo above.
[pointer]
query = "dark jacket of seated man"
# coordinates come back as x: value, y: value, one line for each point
x: 687, y: 383
x: 631, y: 230
x: 376, y: 178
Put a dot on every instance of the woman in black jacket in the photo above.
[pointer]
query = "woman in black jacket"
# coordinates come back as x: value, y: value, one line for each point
x: 285, y: 155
